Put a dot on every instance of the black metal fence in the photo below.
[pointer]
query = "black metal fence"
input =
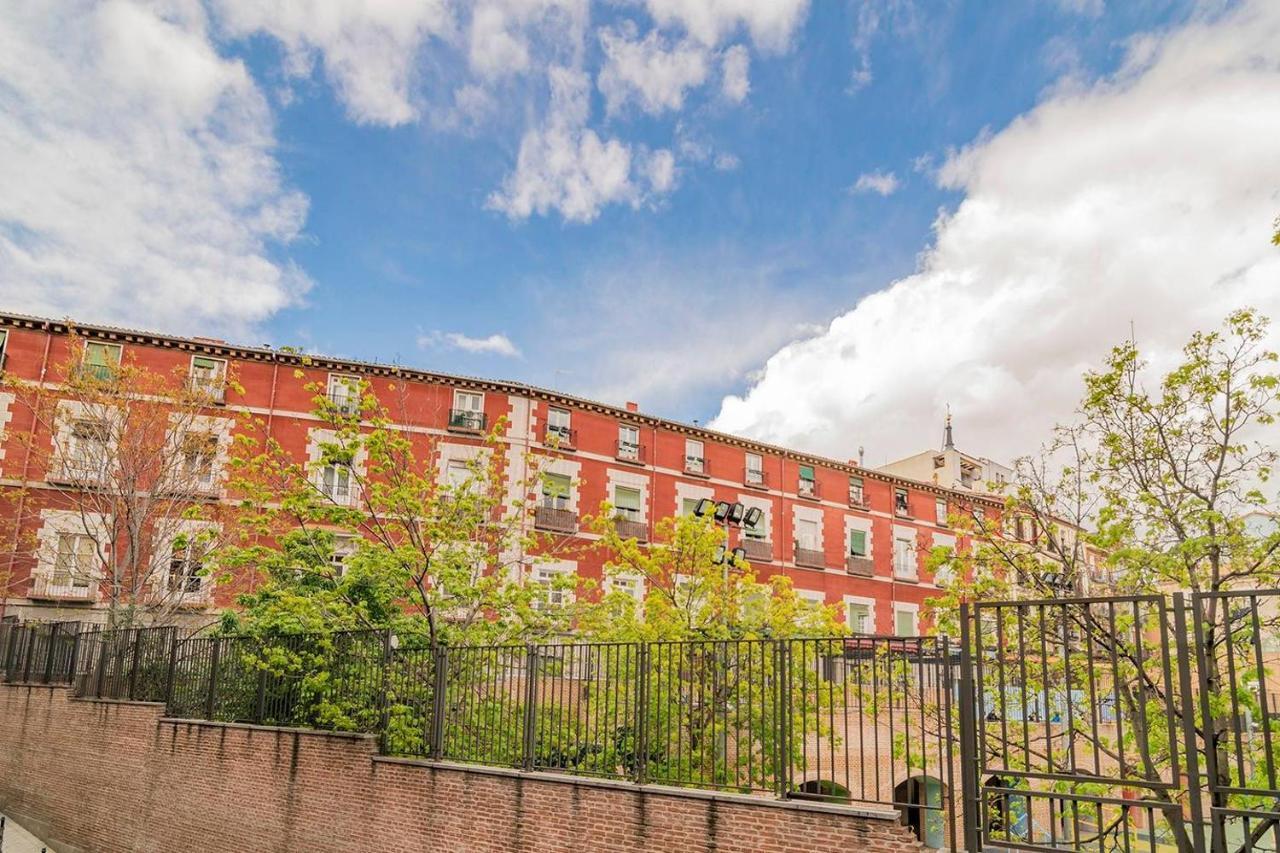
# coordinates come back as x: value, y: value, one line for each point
x: 38, y: 652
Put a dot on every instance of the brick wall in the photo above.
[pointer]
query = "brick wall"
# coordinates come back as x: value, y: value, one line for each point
x: 108, y: 776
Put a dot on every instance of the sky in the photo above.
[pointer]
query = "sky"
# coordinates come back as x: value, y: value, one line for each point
x: 815, y: 223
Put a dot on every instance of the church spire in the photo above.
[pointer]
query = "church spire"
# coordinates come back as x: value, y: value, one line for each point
x: 948, y: 442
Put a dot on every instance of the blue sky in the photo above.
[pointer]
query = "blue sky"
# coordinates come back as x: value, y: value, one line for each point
x: 819, y: 223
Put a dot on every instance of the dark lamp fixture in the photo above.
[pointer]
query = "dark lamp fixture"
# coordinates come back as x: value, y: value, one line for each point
x: 753, y: 516
x: 722, y: 510
x: 704, y: 507
x: 735, y: 513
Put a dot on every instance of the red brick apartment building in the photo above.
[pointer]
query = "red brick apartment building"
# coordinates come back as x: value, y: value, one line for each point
x: 846, y: 536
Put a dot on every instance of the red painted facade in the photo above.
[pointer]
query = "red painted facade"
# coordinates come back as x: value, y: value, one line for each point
x: 274, y: 388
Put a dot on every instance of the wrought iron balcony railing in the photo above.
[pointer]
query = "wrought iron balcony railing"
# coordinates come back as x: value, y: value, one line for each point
x: 467, y: 420
x: 63, y: 587
x: 555, y: 519
x: 754, y: 477
x: 631, y: 452
x: 758, y: 550
x: 629, y: 528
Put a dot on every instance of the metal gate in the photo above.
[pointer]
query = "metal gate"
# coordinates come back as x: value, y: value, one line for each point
x: 1122, y: 723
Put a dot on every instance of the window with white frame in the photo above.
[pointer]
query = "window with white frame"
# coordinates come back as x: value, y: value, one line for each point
x: 468, y: 410
x: 186, y: 567
x: 904, y: 557
x: 900, y: 505
x: 555, y: 490
x: 807, y: 534
x: 335, y: 483
x: 101, y: 359
x: 626, y: 502
x: 628, y: 442
x: 74, y: 562
x: 858, y: 617
x: 857, y: 497
x: 808, y: 485
x: 558, y: 425
x: 208, y: 376
x: 940, y: 510
x: 857, y: 543
x: 344, y: 393
x: 344, y: 545
x: 904, y: 622
x: 632, y: 585
x: 552, y: 580
x: 688, y: 505
x: 760, y: 532
x: 88, y: 448
x: 694, y: 460
x: 457, y: 474
x: 199, y: 459
x: 755, y: 470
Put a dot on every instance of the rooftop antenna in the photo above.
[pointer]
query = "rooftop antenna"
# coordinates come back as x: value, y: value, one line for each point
x: 948, y: 442
x: 862, y: 452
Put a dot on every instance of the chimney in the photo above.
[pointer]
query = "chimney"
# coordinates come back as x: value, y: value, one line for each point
x: 632, y: 407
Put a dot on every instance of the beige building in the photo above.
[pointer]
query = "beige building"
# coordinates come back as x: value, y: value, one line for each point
x: 951, y: 468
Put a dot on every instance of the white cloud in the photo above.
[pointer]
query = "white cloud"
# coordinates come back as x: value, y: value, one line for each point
x: 725, y: 162
x: 736, y: 82
x: 660, y: 169
x: 771, y: 23
x: 1146, y: 197
x: 881, y: 183
x: 140, y: 184
x: 495, y: 344
x: 656, y: 76
x: 1088, y: 8
x: 368, y: 50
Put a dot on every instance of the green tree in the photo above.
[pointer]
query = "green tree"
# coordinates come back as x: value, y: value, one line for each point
x: 1171, y: 477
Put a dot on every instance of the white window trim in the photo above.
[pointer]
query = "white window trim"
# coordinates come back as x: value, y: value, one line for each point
x: 900, y: 607
x: 565, y: 468
x: 869, y: 603
x: 217, y: 390
x: 638, y: 592
x: 809, y: 513
x: 853, y: 522
x: 191, y: 528
x: 350, y: 383
x: 555, y: 567
x: 902, y: 531
x: 629, y: 480
x: 690, y: 491
x: 315, y: 438
x: 53, y: 523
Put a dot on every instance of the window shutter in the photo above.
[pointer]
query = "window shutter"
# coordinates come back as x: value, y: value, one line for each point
x: 806, y: 472
x: 556, y: 486
x: 858, y: 543
x: 625, y: 498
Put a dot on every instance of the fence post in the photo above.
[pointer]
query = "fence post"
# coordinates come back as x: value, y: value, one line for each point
x: 171, y: 676
x: 642, y: 715
x: 384, y: 698
x: 213, y: 679
x: 530, y: 703
x: 133, y: 664
x: 782, y: 747
x: 102, y: 662
x: 970, y: 796
x: 1194, y: 784
x: 49, y: 653
x: 75, y: 658
x: 31, y: 652
x: 440, y: 660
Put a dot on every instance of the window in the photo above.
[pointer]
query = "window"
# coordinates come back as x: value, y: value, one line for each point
x: 89, y: 449
x: 759, y: 533
x: 335, y: 483
x: 694, y: 461
x: 904, y: 623
x: 900, y: 502
x: 555, y: 491
x: 628, y: 442
x: 687, y: 506
x: 344, y: 393
x: 199, y: 459
x: 857, y: 543
x: 101, y: 360
x: 343, y: 547
x: 186, y: 567
x: 904, y: 559
x: 73, y: 566
x: 632, y: 585
x: 807, y: 534
x: 550, y: 580
x: 468, y: 411
x: 856, y: 495
x: 457, y: 474
x: 940, y: 510
x: 558, y: 425
x: 626, y: 502
x: 208, y: 376
x: 979, y: 516
x: 808, y: 482
x: 755, y: 470
x: 858, y: 618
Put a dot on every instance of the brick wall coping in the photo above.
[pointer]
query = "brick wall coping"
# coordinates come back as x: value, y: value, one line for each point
x: 287, y: 730
x: 863, y: 810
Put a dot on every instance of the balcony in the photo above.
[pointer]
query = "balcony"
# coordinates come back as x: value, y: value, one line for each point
x: 96, y: 372
x: 467, y: 420
x: 213, y: 387
x: 64, y: 588
x: 631, y: 452
x: 555, y: 519
x: 860, y: 566
x: 810, y: 558
x: 858, y: 500
x: 755, y: 478
x: 559, y: 437
x: 808, y: 489
x: 81, y: 473
x: 346, y: 401
x: 629, y: 528
x: 697, y: 466
x: 758, y: 550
